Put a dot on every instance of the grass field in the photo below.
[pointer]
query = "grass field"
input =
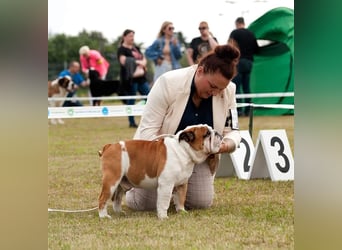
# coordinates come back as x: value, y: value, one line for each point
x: 253, y: 214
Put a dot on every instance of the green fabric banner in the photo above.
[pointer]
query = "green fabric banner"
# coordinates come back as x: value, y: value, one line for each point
x: 273, y: 66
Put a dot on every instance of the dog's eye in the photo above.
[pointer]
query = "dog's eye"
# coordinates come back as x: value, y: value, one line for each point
x: 207, y: 134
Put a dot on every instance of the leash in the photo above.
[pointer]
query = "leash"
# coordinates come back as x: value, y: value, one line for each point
x: 163, y: 136
x: 71, y: 211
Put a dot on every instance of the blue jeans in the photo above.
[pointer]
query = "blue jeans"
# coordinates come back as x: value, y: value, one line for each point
x: 143, y: 89
x: 72, y: 103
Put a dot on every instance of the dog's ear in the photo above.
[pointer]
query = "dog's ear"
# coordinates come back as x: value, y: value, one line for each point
x: 188, y: 136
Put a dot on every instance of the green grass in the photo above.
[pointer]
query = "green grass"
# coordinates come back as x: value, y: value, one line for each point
x: 252, y: 214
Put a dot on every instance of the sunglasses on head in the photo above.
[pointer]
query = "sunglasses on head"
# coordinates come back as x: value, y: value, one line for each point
x: 171, y: 28
x: 202, y: 28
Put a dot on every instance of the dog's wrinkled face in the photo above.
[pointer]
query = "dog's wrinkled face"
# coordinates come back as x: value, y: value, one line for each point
x: 202, y: 138
x: 65, y: 82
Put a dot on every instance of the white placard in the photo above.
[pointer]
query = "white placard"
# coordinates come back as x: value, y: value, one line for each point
x: 273, y: 157
x: 238, y: 163
x: 242, y: 156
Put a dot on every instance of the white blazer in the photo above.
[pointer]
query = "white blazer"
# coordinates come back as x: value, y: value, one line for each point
x: 167, y: 100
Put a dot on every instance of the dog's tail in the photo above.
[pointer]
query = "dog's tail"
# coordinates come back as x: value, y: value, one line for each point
x: 100, y: 152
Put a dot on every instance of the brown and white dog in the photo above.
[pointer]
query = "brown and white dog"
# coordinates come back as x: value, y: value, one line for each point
x: 165, y: 164
x: 59, y: 88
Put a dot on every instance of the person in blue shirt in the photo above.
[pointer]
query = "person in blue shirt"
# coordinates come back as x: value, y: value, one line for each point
x: 77, y: 78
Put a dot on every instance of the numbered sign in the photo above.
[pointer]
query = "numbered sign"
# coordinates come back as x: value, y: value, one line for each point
x: 238, y: 163
x: 272, y: 157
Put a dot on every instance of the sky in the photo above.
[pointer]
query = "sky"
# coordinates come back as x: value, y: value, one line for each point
x: 112, y: 17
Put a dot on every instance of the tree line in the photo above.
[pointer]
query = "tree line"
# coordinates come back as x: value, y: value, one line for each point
x: 62, y: 49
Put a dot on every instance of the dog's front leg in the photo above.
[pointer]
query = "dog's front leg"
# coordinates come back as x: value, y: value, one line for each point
x: 180, y: 196
x: 164, y: 193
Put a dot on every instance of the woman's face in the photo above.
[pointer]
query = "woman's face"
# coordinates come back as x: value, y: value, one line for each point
x: 169, y: 30
x: 129, y: 38
x: 209, y: 84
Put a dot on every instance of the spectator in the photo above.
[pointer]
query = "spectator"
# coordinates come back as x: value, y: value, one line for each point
x: 77, y: 78
x: 93, y: 59
x: 247, y: 43
x: 165, y: 51
x: 199, y: 94
x: 132, y: 70
x: 201, y: 45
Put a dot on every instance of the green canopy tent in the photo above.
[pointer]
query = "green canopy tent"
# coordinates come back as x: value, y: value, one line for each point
x: 273, y: 65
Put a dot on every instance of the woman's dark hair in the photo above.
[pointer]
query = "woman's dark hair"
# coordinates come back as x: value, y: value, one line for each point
x: 125, y: 33
x: 224, y: 58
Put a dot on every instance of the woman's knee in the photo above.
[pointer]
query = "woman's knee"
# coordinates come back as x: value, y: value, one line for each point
x: 140, y: 199
x: 199, y: 201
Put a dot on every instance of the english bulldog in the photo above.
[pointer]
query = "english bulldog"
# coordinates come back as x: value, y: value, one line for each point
x: 59, y: 88
x: 164, y: 164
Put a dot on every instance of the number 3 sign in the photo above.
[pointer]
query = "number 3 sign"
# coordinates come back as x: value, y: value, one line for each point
x: 272, y: 157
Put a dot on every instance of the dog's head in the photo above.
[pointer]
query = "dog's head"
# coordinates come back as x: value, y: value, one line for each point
x: 202, y: 139
x: 93, y: 74
x: 65, y: 82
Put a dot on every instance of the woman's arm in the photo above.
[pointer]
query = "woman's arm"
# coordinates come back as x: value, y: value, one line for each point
x: 154, y: 51
x: 154, y: 112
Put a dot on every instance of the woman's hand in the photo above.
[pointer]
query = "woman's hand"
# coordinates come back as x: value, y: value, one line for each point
x: 227, y: 146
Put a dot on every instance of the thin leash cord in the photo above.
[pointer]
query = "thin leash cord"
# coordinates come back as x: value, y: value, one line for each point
x: 94, y: 208
x: 71, y: 211
x: 163, y: 136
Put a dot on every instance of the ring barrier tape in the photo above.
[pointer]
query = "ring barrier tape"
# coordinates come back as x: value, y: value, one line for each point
x: 124, y: 110
x: 238, y: 96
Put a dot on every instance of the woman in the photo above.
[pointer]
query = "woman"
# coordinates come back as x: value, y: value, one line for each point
x: 165, y: 50
x: 90, y: 58
x: 132, y: 70
x: 201, y: 93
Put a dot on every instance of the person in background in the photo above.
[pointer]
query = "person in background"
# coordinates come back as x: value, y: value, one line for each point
x: 201, y: 45
x: 90, y: 58
x: 199, y: 94
x: 74, y: 72
x: 245, y: 40
x: 93, y: 59
x: 132, y: 70
x: 165, y: 51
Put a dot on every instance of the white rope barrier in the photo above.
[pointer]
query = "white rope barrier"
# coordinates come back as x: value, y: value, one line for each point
x: 275, y: 106
x: 238, y: 96
x: 96, y: 98
x: 262, y: 95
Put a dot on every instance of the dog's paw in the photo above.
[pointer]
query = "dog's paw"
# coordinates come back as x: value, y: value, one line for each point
x: 105, y: 216
x: 182, y: 211
x: 53, y: 121
x: 163, y: 217
x: 60, y: 121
